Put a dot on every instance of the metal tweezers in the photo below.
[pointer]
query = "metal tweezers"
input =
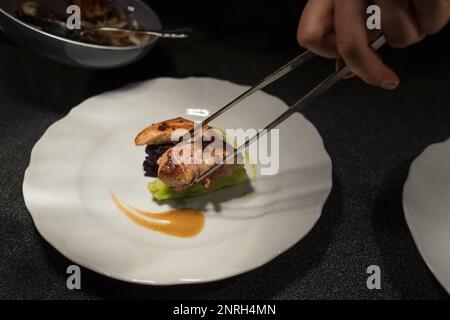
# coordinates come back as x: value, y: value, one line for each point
x: 300, y: 104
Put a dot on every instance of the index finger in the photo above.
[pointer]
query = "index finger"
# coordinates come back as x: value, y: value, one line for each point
x: 352, y: 42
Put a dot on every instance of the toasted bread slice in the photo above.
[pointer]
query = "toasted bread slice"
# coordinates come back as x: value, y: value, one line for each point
x: 159, y: 133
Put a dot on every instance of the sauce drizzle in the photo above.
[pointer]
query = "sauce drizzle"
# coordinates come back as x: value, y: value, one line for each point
x: 184, y: 223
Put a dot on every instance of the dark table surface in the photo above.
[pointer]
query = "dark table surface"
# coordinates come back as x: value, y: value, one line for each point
x: 371, y: 135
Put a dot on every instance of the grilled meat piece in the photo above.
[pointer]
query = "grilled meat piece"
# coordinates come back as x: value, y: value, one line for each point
x: 181, y: 173
x: 160, y: 133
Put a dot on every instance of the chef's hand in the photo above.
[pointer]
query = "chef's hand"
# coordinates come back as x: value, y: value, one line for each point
x: 337, y: 29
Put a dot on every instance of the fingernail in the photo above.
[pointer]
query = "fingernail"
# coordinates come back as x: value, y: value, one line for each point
x: 390, y: 85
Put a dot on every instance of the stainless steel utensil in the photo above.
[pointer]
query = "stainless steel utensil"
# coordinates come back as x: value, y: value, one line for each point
x: 304, y: 101
x: 170, y: 34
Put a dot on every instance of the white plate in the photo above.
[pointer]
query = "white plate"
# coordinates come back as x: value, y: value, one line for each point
x: 90, y: 152
x: 426, y: 202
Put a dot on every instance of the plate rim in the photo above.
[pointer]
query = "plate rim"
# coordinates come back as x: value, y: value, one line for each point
x: 410, y: 221
x: 61, y: 248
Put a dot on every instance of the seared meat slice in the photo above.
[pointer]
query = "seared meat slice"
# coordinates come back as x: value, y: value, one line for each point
x: 181, y: 173
x: 178, y: 173
x: 161, y: 133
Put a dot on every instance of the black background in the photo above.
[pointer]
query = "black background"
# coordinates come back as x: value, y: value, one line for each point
x: 371, y: 135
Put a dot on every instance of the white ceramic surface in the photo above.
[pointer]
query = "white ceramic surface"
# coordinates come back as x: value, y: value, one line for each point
x: 90, y: 152
x: 426, y: 202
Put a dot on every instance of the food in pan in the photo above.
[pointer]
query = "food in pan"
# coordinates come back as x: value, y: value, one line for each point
x: 175, y: 175
x: 95, y: 13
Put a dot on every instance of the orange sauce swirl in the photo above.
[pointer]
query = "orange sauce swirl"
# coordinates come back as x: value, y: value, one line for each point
x: 184, y: 223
